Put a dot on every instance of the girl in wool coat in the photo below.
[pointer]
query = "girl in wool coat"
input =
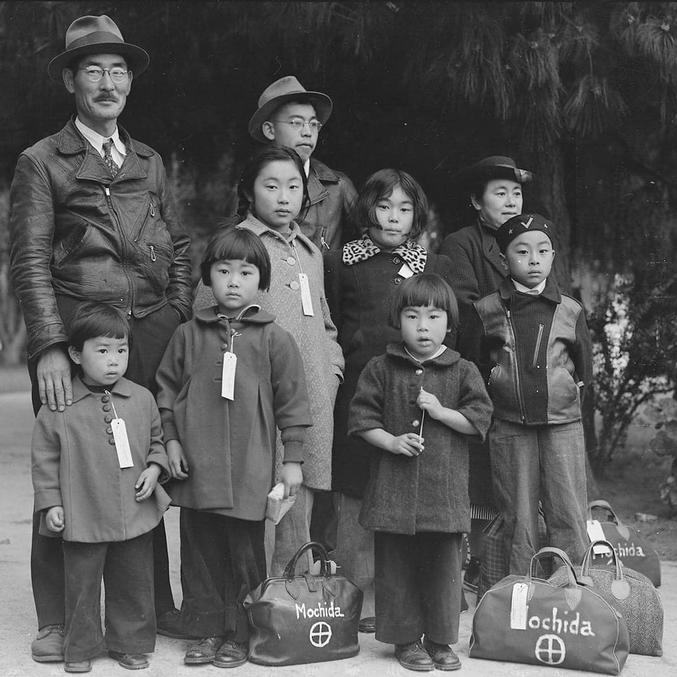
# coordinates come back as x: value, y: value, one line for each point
x: 360, y: 279
x: 417, y: 406
x: 272, y: 193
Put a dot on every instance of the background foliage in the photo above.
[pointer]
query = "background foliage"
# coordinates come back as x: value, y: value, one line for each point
x: 583, y: 93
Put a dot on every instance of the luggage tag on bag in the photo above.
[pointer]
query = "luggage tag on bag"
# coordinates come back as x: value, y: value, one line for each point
x: 518, y: 606
x: 306, y: 299
x: 596, y: 533
x: 120, y: 438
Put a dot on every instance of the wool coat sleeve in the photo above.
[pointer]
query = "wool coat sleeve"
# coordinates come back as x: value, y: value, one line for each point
x: 366, y: 407
x: 473, y: 400
x: 290, y: 395
x: 581, y: 351
x: 156, y: 451
x: 331, y: 334
x: 46, y: 459
x: 170, y: 379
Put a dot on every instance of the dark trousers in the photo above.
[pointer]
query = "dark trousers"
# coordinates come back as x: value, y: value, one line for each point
x: 127, y: 571
x: 418, y: 586
x: 222, y: 560
x: 150, y: 336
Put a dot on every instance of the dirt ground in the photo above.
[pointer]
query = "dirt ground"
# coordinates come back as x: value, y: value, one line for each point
x: 630, y: 491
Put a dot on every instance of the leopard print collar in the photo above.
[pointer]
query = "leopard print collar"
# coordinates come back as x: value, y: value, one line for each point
x: 409, y: 251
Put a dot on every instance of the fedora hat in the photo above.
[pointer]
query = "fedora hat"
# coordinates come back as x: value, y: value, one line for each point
x: 493, y: 167
x: 280, y: 92
x: 97, y: 35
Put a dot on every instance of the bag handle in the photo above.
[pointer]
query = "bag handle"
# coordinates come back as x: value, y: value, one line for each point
x: 550, y: 551
x: 290, y: 569
x: 602, y: 504
x: 589, y: 556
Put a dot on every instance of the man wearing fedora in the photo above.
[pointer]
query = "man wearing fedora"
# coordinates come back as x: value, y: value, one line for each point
x: 291, y: 116
x: 92, y: 219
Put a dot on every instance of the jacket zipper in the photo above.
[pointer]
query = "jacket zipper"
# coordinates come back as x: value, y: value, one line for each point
x: 123, y: 242
x: 518, y: 385
x: 151, y: 211
x: 534, y: 362
x: 323, y: 242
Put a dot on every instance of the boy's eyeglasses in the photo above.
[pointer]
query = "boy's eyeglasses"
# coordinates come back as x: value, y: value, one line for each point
x: 94, y: 74
x: 298, y: 124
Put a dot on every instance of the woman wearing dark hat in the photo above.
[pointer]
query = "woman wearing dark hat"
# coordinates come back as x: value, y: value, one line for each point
x: 495, y: 187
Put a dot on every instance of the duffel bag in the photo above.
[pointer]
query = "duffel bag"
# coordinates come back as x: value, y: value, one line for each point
x: 632, y: 593
x: 630, y: 546
x: 524, y: 619
x: 304, y: 618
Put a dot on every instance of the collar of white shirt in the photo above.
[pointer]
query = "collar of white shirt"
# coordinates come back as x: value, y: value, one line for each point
x: 534, y: 291
x: 306, y: 167
x: 97, y: 141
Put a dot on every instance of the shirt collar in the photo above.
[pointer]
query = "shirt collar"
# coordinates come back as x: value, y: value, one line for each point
x: 533, y: 291
x: 97, y: 140
x: 306, y: 167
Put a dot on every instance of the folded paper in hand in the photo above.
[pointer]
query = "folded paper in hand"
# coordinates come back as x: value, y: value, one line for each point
x: 277, y: 505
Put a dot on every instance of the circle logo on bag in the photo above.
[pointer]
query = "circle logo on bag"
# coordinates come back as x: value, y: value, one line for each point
x: 550, y: 650
x: 320, y: 634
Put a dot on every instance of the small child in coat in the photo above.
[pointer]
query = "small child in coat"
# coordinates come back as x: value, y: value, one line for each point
x: 95, y: 469
x: 418, y: 405
x: 532, y: 344
x: 228, y: 380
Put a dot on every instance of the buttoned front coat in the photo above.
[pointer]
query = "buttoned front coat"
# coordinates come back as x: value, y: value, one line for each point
x: 75, y: 464
x: 230, y: 445
x: 428, y: 492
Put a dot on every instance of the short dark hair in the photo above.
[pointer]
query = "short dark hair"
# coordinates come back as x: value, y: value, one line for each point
x: 426, y: 289
x: 236, y: 244
x: 92, y: 320
x: 264, y: 156
x: 380, y: 185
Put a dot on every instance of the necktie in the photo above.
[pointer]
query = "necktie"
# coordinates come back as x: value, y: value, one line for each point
x: 108, y: 157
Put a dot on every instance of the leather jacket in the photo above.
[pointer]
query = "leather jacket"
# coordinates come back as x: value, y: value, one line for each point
x: 78, y: 232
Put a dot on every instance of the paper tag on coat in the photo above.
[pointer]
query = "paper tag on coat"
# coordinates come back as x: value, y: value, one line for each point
x: 596, y: 533
x: 306, y: 299
x: 228, y: 375
x: 122, y: 443
x: 405, y: 271
x: 518, y: 606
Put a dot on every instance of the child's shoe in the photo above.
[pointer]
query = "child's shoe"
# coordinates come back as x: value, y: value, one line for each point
x: 231, y: 654
x: 442, y: 655
x: 131, y: 661
x: 47, y: 647
x: 78, y: 666
x: 203, y: 651
x: 414, y: 657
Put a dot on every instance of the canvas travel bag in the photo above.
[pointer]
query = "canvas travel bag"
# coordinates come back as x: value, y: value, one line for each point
x: 631, y: 547
x: 524, y: 619
x: 632, y: 593
x: 304, y: 618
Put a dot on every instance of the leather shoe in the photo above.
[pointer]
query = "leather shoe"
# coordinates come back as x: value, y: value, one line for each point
x: 78, y: 666
x: 442, y: 655
x: 414, y: 657
x: 170, y: 624
x: 367, y: 624
x: 231, y: 654
x: 203, y: 651
x: 131, y: 661
x: 47, y: 647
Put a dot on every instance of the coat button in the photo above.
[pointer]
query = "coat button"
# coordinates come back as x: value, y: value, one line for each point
x: 415, y: 423
x: 294, y: 285
x: 397, y: 280
x: 107, y: 418
x: 291, y: 261
x: 419, y: 372
x: 109, y: 430
x: 106, y: 407
x: 396, y: 259
x: 105, y: 398
x: 111, y: 441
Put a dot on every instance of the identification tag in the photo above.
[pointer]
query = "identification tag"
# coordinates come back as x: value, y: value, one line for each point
x: 596, y: 533
x: 518, y: 606
x: 405, y: 271
x: 306, y: 299
x: 228, y: 375
x: 122, y: 443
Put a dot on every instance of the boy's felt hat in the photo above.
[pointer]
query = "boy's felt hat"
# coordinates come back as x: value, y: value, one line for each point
x: 492, y: 167
x: 280, y: 92
x: 97, y: 35
x: 523, y: 223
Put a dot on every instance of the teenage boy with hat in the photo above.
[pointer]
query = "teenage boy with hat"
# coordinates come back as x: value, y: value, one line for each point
x: 291, y: 116
x: 92, y: 219
x: 532, y: 344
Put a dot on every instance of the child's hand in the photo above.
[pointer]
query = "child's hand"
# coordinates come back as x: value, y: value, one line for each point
x: 291, y: 476
x: 409, y: 444
x: 54, y: 519
x: 429, y: 403
x: 145, y: 485
x: 178, y: 463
